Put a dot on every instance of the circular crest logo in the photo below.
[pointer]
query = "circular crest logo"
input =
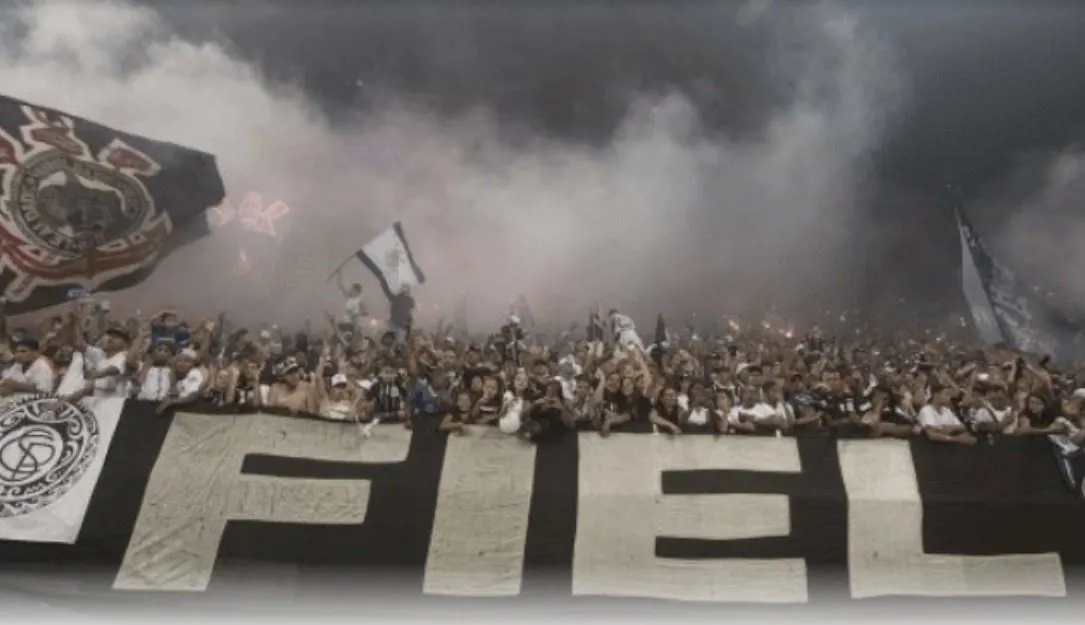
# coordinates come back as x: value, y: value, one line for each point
x: 70, y: 206
x: 46, y: 445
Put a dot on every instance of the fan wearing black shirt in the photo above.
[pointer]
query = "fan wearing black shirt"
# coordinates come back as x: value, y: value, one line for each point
x: 549, y: 417
x: 667, y: 414
x: 387, y: 399
x: 884, y: 415
x: 458, y: 416
x: 402, y: 312
x: 836, y: 405
x: 627, y: 405
x: 510, y: 342
x: 473, y: 367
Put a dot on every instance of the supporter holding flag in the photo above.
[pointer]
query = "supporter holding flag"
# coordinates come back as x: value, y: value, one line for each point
x: 388, y: 257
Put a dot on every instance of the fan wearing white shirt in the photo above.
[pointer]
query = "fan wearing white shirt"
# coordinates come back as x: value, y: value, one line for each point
x: 751, y: 413
x: 994, y: 413
x: 353, y: 307
x: 782, y: 415
x: 106, y: 367
x: 156, y: 376
x: 31, y: 372
x: 939, y: 421
x: 188, y: 382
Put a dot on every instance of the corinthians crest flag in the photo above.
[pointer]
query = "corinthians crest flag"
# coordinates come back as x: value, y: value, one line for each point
x: 84, y: 205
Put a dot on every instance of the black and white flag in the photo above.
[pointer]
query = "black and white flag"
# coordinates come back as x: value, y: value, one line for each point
x: 1005, y: 309
x: 389, y: 257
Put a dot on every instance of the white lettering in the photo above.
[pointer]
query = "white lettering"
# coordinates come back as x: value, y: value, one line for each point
x: 885, y: 538
x: 197, y: 486
x: 480, y: 528
x: 622, y: 509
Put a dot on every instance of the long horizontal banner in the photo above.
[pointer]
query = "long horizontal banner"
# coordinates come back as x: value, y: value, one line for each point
x: 183, y: 502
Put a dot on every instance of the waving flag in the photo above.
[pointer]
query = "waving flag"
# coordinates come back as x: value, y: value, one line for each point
x: 87, y: 206
x: 1004, y: 308
x: 389, y: 257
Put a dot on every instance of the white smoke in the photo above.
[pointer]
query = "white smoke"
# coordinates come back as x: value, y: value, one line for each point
x: 666, y: 216
x: 1041, y: 240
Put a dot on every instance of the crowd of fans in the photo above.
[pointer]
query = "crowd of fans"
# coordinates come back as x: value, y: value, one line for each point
x: 755, y: 380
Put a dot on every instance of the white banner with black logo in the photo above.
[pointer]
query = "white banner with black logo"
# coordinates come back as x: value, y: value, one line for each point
x: 51, y: 454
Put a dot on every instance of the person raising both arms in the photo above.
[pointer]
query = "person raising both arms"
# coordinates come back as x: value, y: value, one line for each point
x: 353, y: 306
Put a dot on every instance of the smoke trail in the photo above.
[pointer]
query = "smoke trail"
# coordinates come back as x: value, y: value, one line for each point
x: 666, y: 215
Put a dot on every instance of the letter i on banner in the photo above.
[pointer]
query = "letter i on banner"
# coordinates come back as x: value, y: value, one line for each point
x: 622, y: 509
x: 480, y: 528
x: 885, y: 538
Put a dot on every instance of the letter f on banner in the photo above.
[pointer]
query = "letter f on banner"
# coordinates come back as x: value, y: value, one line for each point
x: 197, y: 486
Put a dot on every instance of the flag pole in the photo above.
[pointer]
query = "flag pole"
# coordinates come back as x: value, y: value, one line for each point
x: 339, y: 268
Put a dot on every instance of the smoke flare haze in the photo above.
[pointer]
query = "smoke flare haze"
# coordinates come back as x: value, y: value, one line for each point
x: 665, y: 215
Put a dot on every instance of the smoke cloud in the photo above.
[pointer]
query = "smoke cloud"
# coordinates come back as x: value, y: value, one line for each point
x: 665, y: 216
x: 1040, y: 235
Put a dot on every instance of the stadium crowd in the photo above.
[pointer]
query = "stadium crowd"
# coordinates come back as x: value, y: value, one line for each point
x: 753, y: 379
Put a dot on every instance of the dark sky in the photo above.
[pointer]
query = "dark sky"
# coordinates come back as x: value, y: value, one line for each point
x: 989, y: 79
x: 990, y: 82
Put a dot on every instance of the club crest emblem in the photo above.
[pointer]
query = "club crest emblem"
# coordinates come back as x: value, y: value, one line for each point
x: 67, y: 213
x: 46, y: 446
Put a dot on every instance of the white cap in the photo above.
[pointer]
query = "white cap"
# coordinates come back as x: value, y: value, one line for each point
x: 1079, y: 393
x: 513, y: 319
x: 339, y: 380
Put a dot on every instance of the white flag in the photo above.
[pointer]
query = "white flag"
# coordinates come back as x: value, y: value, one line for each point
x: 389, y: 257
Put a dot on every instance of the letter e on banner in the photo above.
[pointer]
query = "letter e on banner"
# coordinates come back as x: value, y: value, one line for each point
x: 622, y: 510
x: 197, y: 486
x: 885, y: 538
